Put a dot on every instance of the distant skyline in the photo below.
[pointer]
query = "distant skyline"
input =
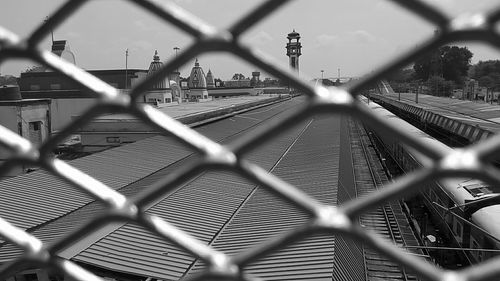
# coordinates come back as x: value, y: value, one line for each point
x: 356, y: 36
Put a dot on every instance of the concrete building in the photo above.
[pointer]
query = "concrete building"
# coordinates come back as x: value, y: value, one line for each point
x: 69, y: 98
x: 238, y: 83
x: 255, y: 81
x: 30, y: 118
x: 471, y: 89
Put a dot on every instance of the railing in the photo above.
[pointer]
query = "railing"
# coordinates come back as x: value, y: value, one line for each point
x: 338, y: 220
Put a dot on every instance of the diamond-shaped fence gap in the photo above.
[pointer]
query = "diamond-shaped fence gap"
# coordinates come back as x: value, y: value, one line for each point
x: 342, y: 33
x: 194, y: 207
x: 314, y: 161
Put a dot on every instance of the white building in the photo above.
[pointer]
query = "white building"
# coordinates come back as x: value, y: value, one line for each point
x: 30, y: 118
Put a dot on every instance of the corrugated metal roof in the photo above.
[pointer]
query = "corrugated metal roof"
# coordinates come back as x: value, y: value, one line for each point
x: 312, y: 165
x: 225, y: 211
x: 31, y: 199
x: 135, y: 164
x: 203, y: 208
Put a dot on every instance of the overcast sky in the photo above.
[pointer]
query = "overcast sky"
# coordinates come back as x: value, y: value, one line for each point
x: 356, y: 36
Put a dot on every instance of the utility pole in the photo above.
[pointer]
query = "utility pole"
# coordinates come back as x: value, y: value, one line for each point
x: 322, y: 74
x: 126, y: 69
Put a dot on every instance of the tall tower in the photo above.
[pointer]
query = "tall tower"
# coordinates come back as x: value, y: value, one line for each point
x: 293, y: 49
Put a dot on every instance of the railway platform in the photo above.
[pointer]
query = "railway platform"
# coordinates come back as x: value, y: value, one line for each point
x: 472, y: 120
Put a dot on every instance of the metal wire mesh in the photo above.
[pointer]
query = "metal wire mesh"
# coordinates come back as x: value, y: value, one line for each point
x: 339, y: 220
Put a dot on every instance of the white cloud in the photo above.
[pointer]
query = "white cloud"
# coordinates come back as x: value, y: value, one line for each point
x: 358, y: 37
x: 261, y: 38
x: 142, y: 45
x: 324, y: 40
x: 73, y: 34
x: 362, y: 36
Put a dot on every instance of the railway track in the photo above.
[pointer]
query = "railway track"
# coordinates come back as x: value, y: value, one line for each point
x: 387, y: 220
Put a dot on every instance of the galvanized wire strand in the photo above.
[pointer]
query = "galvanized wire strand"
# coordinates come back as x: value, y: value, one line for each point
x: 167, y: 184
x: 91, y: 186
x: 494, y: 15
x: 177, y: 16
x: 190, y: 244
x: 251, y: 19
x: 273, y: 129
x: 376, y: 122
x: 408, y: 184
x: 34, y: 252
x: 281, y: 188
x: 425, y: 11
x: 487, y: 270
x: 9, y: 269
x: 74, y: 271
x: 370, y: 80
x: 414, y: 263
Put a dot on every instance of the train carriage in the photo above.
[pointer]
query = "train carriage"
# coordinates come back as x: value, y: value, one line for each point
x: 471, y: 226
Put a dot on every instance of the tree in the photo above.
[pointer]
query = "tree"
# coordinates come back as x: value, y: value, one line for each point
x: 422, y: 67
x: 218, y: 82
x: 8, y: 80
x: 456, y: 63
x: 450, y: 62
x: 401, y: 79
x: 238, y: 76
x: 402, y: 75
x: 438, y: 86
x: 487, y: 73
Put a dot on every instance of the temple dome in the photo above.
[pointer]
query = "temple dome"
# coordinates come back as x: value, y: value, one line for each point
x: 210, y: 79
x: 156, y: 65
x: 197, y: 79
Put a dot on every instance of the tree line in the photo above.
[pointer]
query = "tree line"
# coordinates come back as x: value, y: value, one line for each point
x: 444, y: 70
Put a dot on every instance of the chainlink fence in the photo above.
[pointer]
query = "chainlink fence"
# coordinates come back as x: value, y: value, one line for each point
x: 338, y: 220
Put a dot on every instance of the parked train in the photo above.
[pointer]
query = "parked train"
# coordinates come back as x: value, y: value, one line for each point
x: 464, y: 207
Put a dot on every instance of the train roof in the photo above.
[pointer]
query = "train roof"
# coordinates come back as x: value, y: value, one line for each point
x: 461, y: 190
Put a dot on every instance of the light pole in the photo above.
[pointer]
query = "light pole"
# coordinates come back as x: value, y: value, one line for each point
x: 322, y: 71
x: 176, y: 49
x: 126, y: 68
